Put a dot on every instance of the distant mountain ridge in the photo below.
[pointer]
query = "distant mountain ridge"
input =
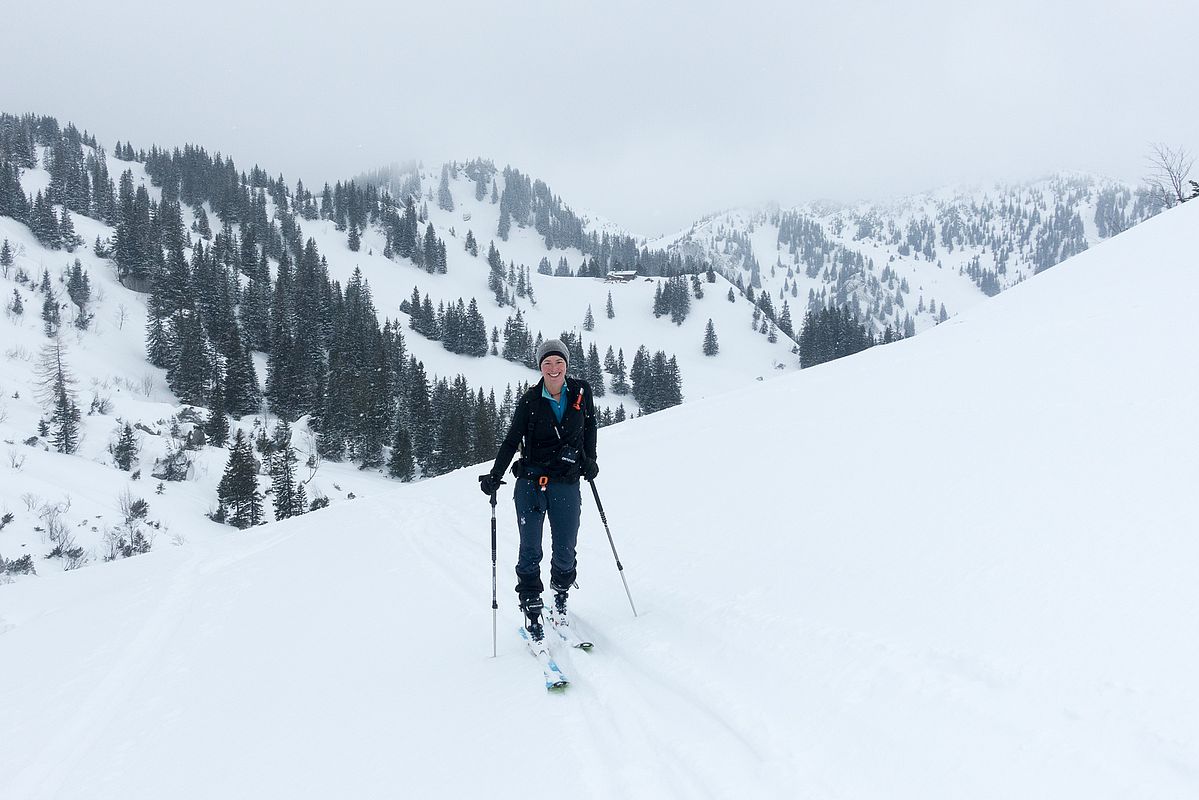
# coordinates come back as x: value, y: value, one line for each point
x: 949, y: 247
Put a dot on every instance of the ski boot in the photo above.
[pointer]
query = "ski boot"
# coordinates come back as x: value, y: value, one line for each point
x: 557, y: 613
x: 531, y: 607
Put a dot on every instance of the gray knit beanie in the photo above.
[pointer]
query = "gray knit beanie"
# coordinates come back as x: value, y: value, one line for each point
x: 552, y: 347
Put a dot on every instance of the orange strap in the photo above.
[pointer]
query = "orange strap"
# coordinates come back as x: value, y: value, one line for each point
x: 543, y: 481
x: 579, y: 400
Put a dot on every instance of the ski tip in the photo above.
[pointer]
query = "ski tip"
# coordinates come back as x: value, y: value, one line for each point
x: 557, y: 685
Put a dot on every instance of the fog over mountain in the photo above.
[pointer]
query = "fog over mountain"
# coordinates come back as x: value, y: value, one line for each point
x: 656, y: 115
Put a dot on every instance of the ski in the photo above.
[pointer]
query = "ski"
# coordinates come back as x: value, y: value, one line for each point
x: 561, y: 625
x: 555, y: 678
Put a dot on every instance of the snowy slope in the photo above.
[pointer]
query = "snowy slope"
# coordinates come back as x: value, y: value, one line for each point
x: 977, y: 583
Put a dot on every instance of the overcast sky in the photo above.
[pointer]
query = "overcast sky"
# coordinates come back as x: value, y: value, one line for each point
x: 650, y: 114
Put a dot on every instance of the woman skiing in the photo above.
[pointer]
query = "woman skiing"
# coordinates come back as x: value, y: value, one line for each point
x: 554, y: 425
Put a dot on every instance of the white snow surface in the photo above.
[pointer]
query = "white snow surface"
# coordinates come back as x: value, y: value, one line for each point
x: 959, y: 566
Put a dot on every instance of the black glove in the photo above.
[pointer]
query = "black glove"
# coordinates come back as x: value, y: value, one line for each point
x: 490, y: 484
x: 590, y: 469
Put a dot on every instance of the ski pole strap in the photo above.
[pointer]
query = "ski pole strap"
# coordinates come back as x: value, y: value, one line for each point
x: 543, y: 482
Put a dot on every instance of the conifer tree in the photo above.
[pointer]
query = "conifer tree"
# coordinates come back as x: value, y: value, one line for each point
x: 190, y: 369
x: 432, y: 250
x: 313, y: 308
x: 401, y: 464
x: 238, y: 489
x: 672, y: 383
x: 420, y: 412
x: 588, y: 320
x: 655, y: 391
x: 158, y: 344
x: 281, y: 389
x: 50, y: 318
x: 452, y: 403
x: 203, y: 226
x: 495, y: 278
x: 124, y: 452
x: 78, y: 287
x: 242, y: 396
x: 6, y: 257
x: 785, y: 321
x: 620, y: 383
x: 639, y: 374
x: 65, y: 422
x: 660, y: 306
x: 216, y: 428
x: 680, y: 300
x: 476, y: 331
x: 593, y: 371
x: 16, y: 306
x: 255, y: 311
x: 44, y: 223
x: 711, y: 345
x: 574, y: 344
x: 288, y: 494
x: 505, y: 224
x: 484, y: 430
x: 66, y: 232
x: 611, y: 311
x: 445, y: 200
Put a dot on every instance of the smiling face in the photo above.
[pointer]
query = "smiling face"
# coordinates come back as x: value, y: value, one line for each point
x: 553, y: 370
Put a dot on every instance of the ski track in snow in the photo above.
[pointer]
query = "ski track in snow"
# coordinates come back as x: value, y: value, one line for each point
x: 602, y: 741
x: 45, y: 775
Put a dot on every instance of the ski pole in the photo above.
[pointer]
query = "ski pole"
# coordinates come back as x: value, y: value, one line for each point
x: 619, y: 566
x: 494, y: 605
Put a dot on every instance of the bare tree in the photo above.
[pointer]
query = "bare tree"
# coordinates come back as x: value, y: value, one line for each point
x: 1169, y: 168
x: 51, y: 374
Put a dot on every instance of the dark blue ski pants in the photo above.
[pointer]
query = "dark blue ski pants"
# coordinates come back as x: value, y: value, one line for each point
x: 562, y: 503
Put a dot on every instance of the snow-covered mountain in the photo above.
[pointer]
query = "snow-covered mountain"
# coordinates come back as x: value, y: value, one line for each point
x: 874, y: 257
x: 900, y: 263
x: 978, y: 585
x: 114, y: 385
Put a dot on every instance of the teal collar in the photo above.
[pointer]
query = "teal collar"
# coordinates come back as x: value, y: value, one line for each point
x: 558, y: 405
